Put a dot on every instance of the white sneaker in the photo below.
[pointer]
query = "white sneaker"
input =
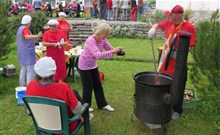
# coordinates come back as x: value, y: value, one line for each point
x: 176, y: 116
x: 108, y: 108
x: 91, y: 109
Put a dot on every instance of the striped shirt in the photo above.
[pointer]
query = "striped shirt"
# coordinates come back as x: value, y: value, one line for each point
x: 92, y: 52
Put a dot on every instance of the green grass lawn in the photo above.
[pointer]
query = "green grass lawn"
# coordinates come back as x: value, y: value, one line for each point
x: 119, y: 89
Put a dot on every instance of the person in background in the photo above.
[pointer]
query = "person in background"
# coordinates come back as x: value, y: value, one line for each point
x: 74, y: 9
x: 64, y: 25
x: 115, y: 6
x: 133, y: 13
x: 29, y: 7
x: 67, y: 8
x: 94, y: 8
x: 140, y: 8
x: 102, y: 6
x: 44, y: 86
x: 37, y: 4
x: 81, y: 6
x: 124, y: 4
x: 48, y: 9
x: 15, y: 8
x: 26, y: 50
x: 109, y: 7
x: 88, y: 67
x: 173, y: 26
x: 61, y: 8
x: 54, y: 39
x: 90, y: 7
x: 43, y: 7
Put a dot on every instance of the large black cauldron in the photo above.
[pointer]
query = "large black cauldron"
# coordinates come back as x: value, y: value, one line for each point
x: 152, y: 102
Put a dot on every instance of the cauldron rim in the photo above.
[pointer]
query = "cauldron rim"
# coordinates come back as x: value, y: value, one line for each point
x: 150, y: 72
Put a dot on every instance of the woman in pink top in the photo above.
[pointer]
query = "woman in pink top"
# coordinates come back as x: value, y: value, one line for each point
x: 88, y: 65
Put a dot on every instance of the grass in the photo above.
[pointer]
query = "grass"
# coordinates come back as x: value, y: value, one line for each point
x: 119, y: 89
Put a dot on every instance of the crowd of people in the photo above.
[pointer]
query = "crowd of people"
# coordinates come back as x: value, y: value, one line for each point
x: 72, y: 9
x: 102, y: 9
x: 51, y: 70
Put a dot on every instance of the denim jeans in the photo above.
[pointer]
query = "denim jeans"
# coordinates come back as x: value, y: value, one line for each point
x: 108, y: 14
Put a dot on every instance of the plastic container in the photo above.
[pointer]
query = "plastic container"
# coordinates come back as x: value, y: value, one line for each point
x: 19, y: 94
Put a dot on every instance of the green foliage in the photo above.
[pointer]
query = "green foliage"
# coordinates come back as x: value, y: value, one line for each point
x: 123, y: 31
x: 6, y: 36
x: 143, y: 18
x: 205, y: 72
x: 151, y: 1
x: 187, y: 14
x: 158, y: 16
x: 39, y: 19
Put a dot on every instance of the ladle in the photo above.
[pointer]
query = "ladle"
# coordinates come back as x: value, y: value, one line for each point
x: 156, y: 80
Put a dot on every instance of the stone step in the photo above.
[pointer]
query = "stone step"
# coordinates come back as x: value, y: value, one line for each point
x: 79, y: 35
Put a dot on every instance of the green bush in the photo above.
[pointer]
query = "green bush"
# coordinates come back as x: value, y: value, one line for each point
x: 187, y: 14
x: 6, y: 36
x: 158, y: 16
x: 123, y: 31
x: 39, y: 19
x: 205, y: 72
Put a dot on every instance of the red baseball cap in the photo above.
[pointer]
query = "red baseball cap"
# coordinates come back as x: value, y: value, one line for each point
x: 176, y: 10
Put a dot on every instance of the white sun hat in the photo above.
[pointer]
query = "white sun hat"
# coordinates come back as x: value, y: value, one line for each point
x: 52, y: 22
x: 62, y: 14
x: 26, y: 19
x: 45, y: 67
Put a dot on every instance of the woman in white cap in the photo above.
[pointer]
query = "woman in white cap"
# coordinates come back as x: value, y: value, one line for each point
x: 26, y: 50
x: 54, y: 39
x: 63, y: 24
x: 43, y: 86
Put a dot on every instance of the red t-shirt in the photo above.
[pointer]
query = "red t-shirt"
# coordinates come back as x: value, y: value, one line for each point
x: 25, y: 32
x: 60, y: 91
x: 171, y: 28
x: 65, y: 27
x: 109, y: 4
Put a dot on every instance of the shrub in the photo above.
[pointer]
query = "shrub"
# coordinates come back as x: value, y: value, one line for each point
x: 39, y: 19
x: 157, y: 16
x: 205, y: 72
x: 123, y: 31
x: 6, y: 36
x: 187, y: 14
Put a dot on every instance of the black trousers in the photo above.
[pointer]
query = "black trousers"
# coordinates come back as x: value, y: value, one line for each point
x: 91, y: 80
x: 178, y: 106
x: 102, y: 14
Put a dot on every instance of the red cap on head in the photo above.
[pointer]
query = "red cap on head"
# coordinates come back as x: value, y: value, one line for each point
x: 176, y: 10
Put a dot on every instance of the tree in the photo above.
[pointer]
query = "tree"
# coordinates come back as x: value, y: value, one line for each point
x: 6, y: 36
x: 205, y: 71
x: 207, y: 53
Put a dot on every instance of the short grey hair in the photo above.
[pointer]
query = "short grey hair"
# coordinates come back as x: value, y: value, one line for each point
x: 102, y: 28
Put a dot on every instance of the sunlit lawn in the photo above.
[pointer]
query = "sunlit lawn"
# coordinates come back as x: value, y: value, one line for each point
x: 119, y: 89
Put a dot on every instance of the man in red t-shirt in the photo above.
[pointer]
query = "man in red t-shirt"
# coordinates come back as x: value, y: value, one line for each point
x: 173, y: 28
x: 43, y: 86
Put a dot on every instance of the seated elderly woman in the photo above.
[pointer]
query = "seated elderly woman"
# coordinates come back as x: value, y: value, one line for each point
x: 44, y: 86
